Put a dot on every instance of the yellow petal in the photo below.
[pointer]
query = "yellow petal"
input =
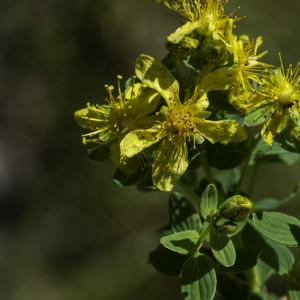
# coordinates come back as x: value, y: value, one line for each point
x: 170, y: 163
x: 156, y: 76
x: 224, y: 132
x: 275, y: 124
x: 138, y: 140
x: 221, y: 79
x: 199, y: 100
x: 141, y: 100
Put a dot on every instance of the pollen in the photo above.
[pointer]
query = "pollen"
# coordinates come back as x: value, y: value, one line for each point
x: 182, y: 120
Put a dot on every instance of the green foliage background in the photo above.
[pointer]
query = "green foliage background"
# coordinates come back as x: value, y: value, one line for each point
x: 66, y: 230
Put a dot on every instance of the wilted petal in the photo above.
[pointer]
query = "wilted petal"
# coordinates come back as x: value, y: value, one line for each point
x: 181, y: 32
x: 170, y: 163
x: 138, y: 140
x: 156, y: 76
x: 224, y: 132
x: 275, y: 124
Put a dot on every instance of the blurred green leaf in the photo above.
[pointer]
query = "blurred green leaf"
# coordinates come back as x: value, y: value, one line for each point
x: 222, y: 248
x: 294, y: 290
x: 229, y: 179
x: 183, y: 242
x: 264, y: 153
x: 278, y: 227
x: 183, y: 215
x: 272, y: 203
x: 198, y: 279
x: 224, y: 157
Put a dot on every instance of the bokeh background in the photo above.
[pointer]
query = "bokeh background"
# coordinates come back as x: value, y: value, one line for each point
x: 67, y: 232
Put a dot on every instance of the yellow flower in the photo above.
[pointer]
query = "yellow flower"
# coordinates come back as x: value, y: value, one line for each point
x: 109, y: 123
x: 180, y: 123
x: 206, y: 18
x: 281, y: 92
x: 245, y: 70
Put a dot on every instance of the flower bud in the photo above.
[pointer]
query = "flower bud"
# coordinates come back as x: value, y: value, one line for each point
x: 236, y: 208
x: 228, y: 228
x: 295, y: 133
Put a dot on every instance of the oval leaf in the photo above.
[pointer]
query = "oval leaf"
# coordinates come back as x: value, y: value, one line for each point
x: 181, y: 242
x: 209, y: 201
x: 222, y: 248
x: 278, y: 227
x: 183, y: 215
x: 198, y: 279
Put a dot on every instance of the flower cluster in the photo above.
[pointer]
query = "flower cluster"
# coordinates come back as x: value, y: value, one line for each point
x: 166, y: 112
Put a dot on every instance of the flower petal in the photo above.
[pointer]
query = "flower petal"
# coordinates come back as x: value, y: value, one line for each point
x: 224, y: 132
x: 170, y: 163
x: 275, y: 124
x: 199, y: 100
x: 138, y: 140
x: 221, y: 79
x: 181, y: 32
x: 156, y: 76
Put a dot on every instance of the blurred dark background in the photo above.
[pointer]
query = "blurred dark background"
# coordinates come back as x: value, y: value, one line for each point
x: 66, y: 230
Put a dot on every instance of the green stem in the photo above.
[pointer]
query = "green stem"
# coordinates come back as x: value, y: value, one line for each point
x: 254, y: 280
x: 207, y: 169
x: 253, y: 178
x: 246, y: 164
x: 203, y: 233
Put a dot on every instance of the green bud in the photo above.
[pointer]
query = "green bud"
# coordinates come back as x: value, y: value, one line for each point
x: 214, y: 51
x: 236, y: 208
x: 295, y: 133
x: 228, y: 228
x: 186, y: 46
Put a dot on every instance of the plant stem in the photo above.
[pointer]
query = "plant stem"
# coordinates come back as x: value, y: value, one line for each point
x: 203, y: 233
x: 253, y: 178
x: 246, y: 164
x: 207, y: 169
x: 254, y: 280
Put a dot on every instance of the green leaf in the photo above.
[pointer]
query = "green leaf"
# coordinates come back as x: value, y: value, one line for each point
x: 264, y: 153
x: 167, y: 261
x: 183, y: 242
x: 183, y: 215
x: 276, y: 256
x: 246, y: 259
x: 258, y: 115
x: 265, y: 271
x: 272, y: 203
x: 209, y: 201
x: 278, y: 227
x: 222, y: 248
x: 279, y: 257
x: 198, y: 279
x: 294, y: 290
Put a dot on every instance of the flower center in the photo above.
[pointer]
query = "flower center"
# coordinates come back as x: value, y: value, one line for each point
x: 182, y: 120
x: 285, y: 96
